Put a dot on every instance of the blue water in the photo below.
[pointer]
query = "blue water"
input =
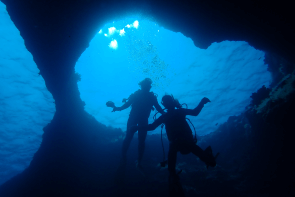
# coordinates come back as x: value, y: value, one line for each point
x: 26, y: 106
x: 227, y: 72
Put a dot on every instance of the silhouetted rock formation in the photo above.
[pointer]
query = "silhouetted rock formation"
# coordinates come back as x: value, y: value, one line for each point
x: 78, y: 156
x: 261, y: 94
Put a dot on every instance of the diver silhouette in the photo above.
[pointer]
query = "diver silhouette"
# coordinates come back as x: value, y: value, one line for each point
x: 142, y: 102
x: 180, y: 137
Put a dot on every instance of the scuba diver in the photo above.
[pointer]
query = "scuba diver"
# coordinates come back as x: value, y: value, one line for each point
x: 142, y: 102
x: 180, y: 137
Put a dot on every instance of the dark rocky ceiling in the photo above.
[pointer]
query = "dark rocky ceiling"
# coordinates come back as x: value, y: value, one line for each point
x: 57, y: 32
x: 73, y: 148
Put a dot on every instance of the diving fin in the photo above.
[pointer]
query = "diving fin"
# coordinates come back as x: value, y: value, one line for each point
x: 208, y: 150
x: 163, y: 163
x: 214, y: 160
x: 209, y: 153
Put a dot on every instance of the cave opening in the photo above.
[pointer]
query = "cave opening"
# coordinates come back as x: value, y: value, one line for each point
x: 124, y: 52
x: 78, y: 155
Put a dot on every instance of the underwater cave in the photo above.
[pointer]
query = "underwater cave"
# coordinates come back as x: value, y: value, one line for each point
x: 125, y: 52
x: 62, y: 61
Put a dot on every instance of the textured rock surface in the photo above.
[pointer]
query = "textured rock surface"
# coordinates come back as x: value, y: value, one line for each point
x: 76, y: 152
x: 26, y: 106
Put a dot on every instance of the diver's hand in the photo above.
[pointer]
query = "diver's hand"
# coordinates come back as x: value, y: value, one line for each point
x: 115, y: 109
x: 205, y: 100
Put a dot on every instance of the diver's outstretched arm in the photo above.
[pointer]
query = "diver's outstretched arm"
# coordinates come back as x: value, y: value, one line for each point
x: 149, y: 127
x: 198, y: 109
x: 159, y: 108
x: 125, y: 106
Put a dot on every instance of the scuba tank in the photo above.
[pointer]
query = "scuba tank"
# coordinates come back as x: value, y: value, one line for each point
x: 177, y: 105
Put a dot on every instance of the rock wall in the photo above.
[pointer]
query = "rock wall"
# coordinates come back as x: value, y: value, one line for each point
x: 26, y: 106
x: 77, y: 152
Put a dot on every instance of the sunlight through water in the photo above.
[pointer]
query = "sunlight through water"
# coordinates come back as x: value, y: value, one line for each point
x: 127, y: 51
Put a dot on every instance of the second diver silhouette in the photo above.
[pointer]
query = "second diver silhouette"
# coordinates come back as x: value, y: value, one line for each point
x: 142, y: 103
x: 180, y: 138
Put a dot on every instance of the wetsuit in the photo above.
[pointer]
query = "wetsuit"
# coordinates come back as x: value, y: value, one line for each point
x: 142, y: 103
x: 179, y: 134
